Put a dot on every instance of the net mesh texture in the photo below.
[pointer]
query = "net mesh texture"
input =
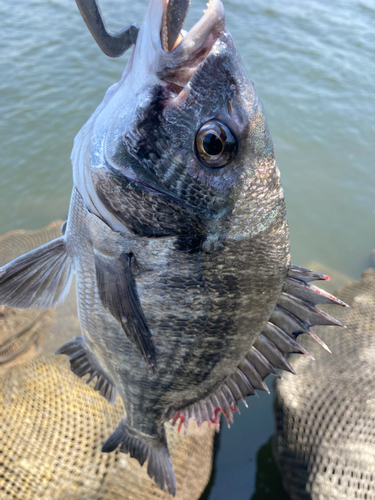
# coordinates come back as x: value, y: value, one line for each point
x: 325, y: 419
x: 53, y: 425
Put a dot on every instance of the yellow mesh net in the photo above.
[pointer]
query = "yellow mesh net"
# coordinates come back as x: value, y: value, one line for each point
x: 52, y: 425
x: 325, y: 419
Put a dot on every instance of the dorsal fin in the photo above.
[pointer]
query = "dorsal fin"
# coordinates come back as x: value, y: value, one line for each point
x: 294, y: 313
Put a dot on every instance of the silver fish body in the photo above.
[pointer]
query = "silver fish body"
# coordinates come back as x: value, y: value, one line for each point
x: 178, y: 238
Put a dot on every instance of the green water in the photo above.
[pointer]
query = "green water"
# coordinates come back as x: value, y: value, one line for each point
x: 313, y: 66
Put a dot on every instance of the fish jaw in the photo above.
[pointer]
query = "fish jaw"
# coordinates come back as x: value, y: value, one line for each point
x: 154, y: 65
x: 152, y: 57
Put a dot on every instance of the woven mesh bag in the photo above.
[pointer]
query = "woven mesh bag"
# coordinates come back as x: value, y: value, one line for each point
x: 325, y: 419
x: 52, y: 425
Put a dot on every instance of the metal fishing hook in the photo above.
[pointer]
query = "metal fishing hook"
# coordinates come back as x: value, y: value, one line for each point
x: 115, y: 44
x: 112, y: 44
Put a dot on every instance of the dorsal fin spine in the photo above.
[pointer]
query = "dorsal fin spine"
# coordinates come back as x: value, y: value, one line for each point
x: 269, y: 351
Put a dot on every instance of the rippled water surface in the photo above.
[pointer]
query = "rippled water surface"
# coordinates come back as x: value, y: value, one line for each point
x: 313, y: 66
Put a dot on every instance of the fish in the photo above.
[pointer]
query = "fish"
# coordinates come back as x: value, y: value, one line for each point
x: 177, y: 236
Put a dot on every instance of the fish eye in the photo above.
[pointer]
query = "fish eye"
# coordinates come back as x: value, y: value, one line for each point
x: 215, y: 144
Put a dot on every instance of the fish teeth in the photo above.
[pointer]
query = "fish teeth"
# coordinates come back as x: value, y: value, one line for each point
x: 209, y: 6
x: 164, y: 35
x: 164, y: 39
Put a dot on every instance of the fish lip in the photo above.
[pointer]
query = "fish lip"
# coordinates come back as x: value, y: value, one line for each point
x: 195, y: 37
x: 193, y: 47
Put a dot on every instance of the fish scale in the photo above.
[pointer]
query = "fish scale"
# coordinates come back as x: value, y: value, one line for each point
x: 178, y: 238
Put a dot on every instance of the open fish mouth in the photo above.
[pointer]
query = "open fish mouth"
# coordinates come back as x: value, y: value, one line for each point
x: 173, y: 23
x: 175, y: 12
x: 161, y: 35
x: 184, y: 51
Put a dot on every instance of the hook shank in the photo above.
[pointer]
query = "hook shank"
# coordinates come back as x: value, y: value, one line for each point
x: 112, y: 44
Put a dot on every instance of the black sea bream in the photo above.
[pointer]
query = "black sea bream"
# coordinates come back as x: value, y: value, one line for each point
x: 178, y: 238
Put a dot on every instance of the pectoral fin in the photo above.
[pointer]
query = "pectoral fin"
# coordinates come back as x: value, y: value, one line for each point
x: 118, y: 294
x: 40, y: 278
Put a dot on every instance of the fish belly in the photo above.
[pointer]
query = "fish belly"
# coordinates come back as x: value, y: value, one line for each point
x: 204, y: 310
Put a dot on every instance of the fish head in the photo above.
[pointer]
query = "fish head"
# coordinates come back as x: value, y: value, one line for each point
x: 187, y: 124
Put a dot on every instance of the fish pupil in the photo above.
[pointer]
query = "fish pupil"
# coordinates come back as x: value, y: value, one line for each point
x: 212, y: 145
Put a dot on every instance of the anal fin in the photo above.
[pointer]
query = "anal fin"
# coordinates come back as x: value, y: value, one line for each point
x: 40, y: 278
x: 159, y: 466
x: 82, y: 362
